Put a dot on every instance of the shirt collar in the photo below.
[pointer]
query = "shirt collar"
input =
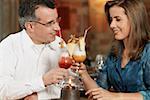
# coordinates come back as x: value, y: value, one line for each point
x: 26, y: 39
x: 27, y: 43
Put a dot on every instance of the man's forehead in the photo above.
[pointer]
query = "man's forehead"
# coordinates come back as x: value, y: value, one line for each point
x: 46, y: 12
x: 41, y: 8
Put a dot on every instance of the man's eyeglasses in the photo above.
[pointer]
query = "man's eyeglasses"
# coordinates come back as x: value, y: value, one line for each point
x: 51, y: 23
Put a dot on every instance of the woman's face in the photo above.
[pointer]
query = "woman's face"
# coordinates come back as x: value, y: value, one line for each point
x: 119, y: 24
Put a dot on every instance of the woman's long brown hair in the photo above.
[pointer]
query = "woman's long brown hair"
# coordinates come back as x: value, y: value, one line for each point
x: 140, y: 31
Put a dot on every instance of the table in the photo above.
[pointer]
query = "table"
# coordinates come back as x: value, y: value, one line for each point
x: 83, y: 98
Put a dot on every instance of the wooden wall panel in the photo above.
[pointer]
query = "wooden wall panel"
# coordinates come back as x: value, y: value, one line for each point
x: 8, y: 17
x: 64, y: 14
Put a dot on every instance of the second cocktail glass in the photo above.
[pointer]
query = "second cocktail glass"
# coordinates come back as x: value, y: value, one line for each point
x: 79, y: 55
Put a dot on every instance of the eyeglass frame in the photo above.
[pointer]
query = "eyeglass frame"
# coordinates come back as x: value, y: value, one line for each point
x: 48, y: 24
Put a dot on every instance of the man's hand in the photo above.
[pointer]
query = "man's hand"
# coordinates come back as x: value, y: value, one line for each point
x: 31, y: 97
x: 55, y: 76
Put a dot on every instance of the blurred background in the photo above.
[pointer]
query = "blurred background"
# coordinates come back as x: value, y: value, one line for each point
x: 77, y: 15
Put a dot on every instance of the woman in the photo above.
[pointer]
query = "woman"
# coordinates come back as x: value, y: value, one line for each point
x: 127, y: 68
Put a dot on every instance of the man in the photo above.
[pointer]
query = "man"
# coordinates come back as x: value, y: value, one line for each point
x: 29, y: 59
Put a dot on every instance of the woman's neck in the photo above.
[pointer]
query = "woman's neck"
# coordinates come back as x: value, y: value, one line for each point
x: 125, y: 58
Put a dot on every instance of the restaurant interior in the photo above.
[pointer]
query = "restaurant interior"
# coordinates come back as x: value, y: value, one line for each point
x: 77, y: 15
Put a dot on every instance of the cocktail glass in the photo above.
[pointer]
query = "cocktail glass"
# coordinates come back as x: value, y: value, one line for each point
x: 65, y: 61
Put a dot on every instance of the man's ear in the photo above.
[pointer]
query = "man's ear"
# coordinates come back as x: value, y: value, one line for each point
x: 29, y: 26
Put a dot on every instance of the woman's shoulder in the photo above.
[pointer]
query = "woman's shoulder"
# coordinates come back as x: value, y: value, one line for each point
x: 146, y: 51
x: 147, y: 47
x: 110, y: 59
x: 146, y: 55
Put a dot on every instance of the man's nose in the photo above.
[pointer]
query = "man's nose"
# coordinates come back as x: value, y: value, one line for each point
x: 56, y: 27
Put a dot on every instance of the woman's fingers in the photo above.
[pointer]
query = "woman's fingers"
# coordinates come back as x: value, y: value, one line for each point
x: 92, y: 90
x: 97, y: 97
x: 94, y: 94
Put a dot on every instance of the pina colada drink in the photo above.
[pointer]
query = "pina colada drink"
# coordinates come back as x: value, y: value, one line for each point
x: 78, y: 54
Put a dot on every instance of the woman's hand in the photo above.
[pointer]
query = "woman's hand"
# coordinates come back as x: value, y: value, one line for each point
x: 80, y: 68
x: 100, y: 94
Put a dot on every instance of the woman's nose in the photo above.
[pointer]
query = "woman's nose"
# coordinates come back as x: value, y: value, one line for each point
x: 112, y: 24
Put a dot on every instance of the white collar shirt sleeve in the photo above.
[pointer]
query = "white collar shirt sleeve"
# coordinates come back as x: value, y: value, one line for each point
x: 22, y: 65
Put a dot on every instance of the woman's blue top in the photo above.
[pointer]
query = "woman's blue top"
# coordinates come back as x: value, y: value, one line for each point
x: 135, y: 77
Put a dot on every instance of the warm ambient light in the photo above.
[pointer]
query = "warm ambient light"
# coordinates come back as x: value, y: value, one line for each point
x: 97, y: 5
x: 100, y: 1
x: 70, y: 82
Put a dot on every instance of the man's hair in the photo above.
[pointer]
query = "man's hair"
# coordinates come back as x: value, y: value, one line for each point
x: 27, y: 9
x: 138, y: 18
